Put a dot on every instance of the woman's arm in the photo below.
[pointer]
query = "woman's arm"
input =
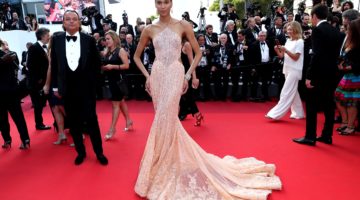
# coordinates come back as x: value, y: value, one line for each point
x: 124, y: 58
x: 195, y: 46
x: 144, y: 38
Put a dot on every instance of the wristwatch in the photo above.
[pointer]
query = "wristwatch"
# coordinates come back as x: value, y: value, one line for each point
x: 187, y: 77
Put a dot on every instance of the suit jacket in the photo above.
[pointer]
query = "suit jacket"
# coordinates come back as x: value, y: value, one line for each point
x: 37, y: 64
x: 90, y: 63
x: 234, y: 35
x: 326, y: 45
x: 213, y: 37
x: 8, y: 75
x: 249, y: 36
x: 99, y: 27
x: 237, y: 53
x: 272, y: 36
x: 255, y: 52
x: 22, y: 25
x: 129, y: 28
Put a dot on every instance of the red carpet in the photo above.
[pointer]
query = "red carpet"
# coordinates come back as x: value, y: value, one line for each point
x: 47, y: 171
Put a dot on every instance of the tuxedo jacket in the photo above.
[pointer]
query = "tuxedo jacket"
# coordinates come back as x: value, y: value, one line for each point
x: 237, y: 54
x: 234, y: 35
x: 89, y: 63
x: 249, y: 36
x: 326, y: 44
x: 37, y: 64
x: 255, y: 52
x: 8, y: 75
x: 272, y: 36
x: 22, y: 25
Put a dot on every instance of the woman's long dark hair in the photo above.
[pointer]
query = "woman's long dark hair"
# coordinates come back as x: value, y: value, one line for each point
x: 353, y: 40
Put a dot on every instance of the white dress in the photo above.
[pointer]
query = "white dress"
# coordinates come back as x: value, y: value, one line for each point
x: 174, y: 166
x: 289, y: 97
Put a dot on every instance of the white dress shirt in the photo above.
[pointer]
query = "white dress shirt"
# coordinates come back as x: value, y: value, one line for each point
x: 265, y: 57
x: 73, y: 51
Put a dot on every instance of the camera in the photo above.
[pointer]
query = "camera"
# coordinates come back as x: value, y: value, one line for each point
x: 301, y: 7
x: 89, y: 12
x: 124, y: 15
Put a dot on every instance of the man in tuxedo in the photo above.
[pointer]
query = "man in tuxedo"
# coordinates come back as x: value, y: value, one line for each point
x: 75, y: 63
x: 251, y: 32
x: 230, y: 32
x: 321, y: 77
x: 37, y: 64
x: 17, y: 24
x: 261, y: 53
x: 10, y: 101
x: 241, y: 54
x: 276, y: 32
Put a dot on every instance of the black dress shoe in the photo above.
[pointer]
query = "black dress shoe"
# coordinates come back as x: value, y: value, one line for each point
x: 79, y: 159
x: 102, y: 159
x: 324, y: 140
x: 42, y: 127
x: 305, y: 141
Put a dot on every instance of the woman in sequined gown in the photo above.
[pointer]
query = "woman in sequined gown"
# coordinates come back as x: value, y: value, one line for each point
x: 174, y: 166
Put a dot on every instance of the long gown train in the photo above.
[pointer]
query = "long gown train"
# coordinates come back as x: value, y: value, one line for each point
x: 174, y: 166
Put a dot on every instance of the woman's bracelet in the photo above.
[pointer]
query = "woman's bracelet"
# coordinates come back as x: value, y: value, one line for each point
x: 187, y: 77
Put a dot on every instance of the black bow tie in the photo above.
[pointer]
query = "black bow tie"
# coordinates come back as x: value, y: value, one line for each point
x: 44, y: 46
x: 68, y: 38
x: 262, y: 43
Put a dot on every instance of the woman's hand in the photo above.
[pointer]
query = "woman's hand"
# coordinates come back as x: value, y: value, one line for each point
x: 195, y: 83
x: 46, y: 89
x: 107, y: 67
x: 147, y: 86
x: 185, y: 86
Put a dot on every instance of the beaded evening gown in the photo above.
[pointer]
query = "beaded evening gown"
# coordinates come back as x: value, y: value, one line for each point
x: 174, y: 166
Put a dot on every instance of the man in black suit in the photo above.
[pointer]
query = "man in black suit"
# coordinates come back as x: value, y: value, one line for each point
x: 276, y: 32
x: 75, y: 63
x: 321, y: 77
x: 251, y: 32
x: 129, y: 27
x: 17, y: 24
x: 10, y: 101
x: 230, y: 32
x: 261, y: 55
x: 37, y: 64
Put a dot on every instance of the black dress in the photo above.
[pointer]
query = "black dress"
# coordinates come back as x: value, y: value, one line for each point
x: 114, y: 76
x: 187, y: 101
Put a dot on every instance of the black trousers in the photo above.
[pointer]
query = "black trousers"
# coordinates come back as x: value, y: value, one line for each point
x: 82, y: 118
x: 187, y: 102
x: 265, y: 72
x: 235, y: 77
x: 39, y: 101
x: 203, y: 74
x: 10, y: 103
x: 320, y: 96
x: 221, y: 81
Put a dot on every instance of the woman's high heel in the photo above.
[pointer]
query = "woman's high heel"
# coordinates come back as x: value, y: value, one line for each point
x: 348, y: 131
x: 199, y: 117
x: 342, y: 127
x: 6, y: 145
x: 129, y: 126
x: 110, y: 134
x: 25, y: 145
x: 62, y: 138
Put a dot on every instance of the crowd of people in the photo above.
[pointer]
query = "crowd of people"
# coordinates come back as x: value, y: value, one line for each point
x: 248, y: 62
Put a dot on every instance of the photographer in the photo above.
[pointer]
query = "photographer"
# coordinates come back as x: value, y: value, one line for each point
x: 186, y: 16
x: 93, y: 19
x: 223, y: 15
x: 112, y: 24
x: 10, y: 101
x: 126, y: 24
